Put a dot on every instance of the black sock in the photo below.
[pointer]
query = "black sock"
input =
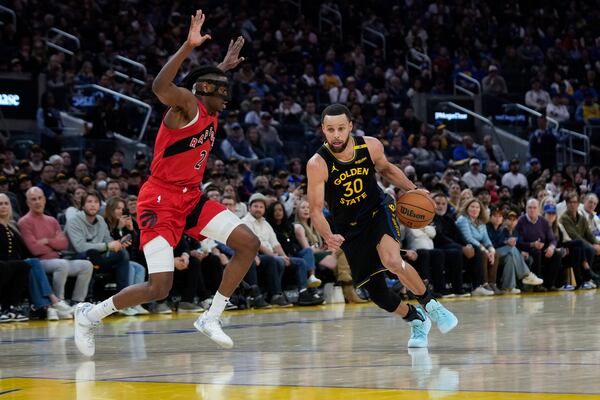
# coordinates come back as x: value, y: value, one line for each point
x: 412, y: 314
x: 424, y: 298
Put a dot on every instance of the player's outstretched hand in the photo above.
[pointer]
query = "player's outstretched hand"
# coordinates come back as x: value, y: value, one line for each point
x: 232, y: 58
x: 334, y: 242
x: 195, y: 37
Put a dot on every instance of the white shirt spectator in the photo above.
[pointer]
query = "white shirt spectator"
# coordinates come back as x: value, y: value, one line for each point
x: 473, y: 180
x: 558, y: 112
x: 253, y: 117
x: 263, y: 230
x: 511, y: 180
x: 420, y: 238
x: 537, y: 99
x: 553, y: 190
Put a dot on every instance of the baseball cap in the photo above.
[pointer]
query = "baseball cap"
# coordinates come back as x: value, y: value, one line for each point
x: 474, y: 161
x: 134, y: 172
x: 492, y: 68
x: 512, y: 214
x: 550, y: 208
x: 534, y: 161
x: 257, y: 197
x: 236, y: 126
x: 256, y: 99
x: 24, y: 178
x: 3, y: 180
x: 60, y: 176
x: 116, y: 163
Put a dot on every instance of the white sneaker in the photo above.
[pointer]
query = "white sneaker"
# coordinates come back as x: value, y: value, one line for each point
x: 313, y: 282
x: 51, y: 314
x: 211, y: 327
x: 589, y: 285
x: 512, y: 291
x: 65, y: 315
x: 129, y: 311
x: 62, y: 306
x: 85, y: 330
x: 206, y: 303
x: 481, y: 291
x: 532, y: 279
x: 140, y: 309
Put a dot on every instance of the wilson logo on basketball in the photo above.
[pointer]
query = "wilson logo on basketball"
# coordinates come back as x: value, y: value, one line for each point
x: 148, y: 219
x: 411, y: 213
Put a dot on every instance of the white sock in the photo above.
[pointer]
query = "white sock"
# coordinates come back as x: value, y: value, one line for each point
x: 218, y: 305
x: 102, y: 310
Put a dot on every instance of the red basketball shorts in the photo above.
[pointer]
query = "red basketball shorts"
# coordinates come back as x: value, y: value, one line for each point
x: 170, y: 211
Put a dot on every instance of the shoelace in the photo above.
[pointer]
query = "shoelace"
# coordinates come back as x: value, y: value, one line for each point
x: 90, y: 333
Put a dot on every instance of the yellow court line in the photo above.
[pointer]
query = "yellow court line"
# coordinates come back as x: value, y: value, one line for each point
x: 40, y: 389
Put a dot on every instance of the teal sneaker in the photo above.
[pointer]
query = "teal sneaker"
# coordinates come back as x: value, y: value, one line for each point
x: 445, y: 320
x: 419, y: 330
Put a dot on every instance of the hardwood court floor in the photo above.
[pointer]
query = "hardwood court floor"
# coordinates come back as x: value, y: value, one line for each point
x: 508, y: 347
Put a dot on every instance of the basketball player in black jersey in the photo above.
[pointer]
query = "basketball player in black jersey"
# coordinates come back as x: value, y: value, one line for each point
x: 364, y: 220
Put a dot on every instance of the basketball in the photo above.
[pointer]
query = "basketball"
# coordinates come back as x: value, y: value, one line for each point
x: 415, y: 209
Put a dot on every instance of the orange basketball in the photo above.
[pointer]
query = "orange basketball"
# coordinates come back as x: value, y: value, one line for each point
x: 415, y: 209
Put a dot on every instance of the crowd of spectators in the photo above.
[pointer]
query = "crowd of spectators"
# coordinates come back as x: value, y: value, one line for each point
x: 510, y: 226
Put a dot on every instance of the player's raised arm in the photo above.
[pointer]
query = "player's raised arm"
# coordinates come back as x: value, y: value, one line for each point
x: 391, y: 172
x: 316, y: 172
x: 167, y: 92
x: 232, y: 58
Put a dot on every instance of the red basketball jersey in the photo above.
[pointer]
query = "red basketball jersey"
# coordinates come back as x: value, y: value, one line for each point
x: 180, y: 155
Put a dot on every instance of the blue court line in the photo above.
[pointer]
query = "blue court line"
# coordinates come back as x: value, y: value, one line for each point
x: 9, y: 391
x: 311, y: 386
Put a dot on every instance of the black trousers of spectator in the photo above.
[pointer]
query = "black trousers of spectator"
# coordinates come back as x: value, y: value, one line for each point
x: 210, y: 276
x: 546, y: 267
x: 119, y: 262
x: 185, y: 282
x: 454, y: 265
x: 269, y: 270
x: 575, y: 260
x: 430, y: 264
x: 13, y: 282
x: 474, y: 267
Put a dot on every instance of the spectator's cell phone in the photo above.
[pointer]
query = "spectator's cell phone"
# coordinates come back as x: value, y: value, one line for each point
x: 126, y: 238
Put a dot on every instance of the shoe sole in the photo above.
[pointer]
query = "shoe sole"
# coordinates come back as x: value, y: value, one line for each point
x: 180, y: 311
x: 223, y: 345
x: 313, y: 285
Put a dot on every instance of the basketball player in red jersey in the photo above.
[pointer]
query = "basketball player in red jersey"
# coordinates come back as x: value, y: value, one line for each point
x: 171, y: 203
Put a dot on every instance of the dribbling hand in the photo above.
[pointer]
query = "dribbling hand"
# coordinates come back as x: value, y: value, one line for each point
x: 334, y: 242
x: 195, y: 37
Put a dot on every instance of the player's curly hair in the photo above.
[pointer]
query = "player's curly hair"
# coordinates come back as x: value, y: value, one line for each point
x: 191, y: 78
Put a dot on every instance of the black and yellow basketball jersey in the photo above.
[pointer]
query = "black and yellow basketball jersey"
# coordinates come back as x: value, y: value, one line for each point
x: 351, y: 190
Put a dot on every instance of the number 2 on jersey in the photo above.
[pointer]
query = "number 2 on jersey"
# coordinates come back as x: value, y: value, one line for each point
x: 356, y: 186
x: 203, y: 154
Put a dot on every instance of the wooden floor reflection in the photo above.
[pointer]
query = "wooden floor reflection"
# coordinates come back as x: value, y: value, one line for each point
x: 521, y: 347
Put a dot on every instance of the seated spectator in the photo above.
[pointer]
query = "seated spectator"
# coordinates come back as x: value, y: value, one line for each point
x: 61, y: 197
x: 76, y: 200
x: 339, y: 94
x: 574, y: 253
x: 271, y: 257
x: 554, y: 187
x: 577, y: 228
x: 428, y: 261
x: 236, y: 147
x: 289, y: 111
x: 451, y: 241
x: 309, y: 237
x: 542, y: 144
x: 287, y: 235
x: 328, y: 79
x: 188, y: 273
x: 535, y: 236
x: 49, y: 124
x: 590, y: 202
x: 45, y: 240
x: 471, y: 222
x: 513, y: 177
x: 490, y: 151
x: 424, y: 159
x: 463, y: 153
x: 557, y: 109
x: 494, y: 83
x: 474, y: 178
x: 510, y: 258
x: 588, y: 112
x: 90, y: 239
x: 16, y: 267
x: 255, y: 114
x: 537, y: 98
x: 123, y: 228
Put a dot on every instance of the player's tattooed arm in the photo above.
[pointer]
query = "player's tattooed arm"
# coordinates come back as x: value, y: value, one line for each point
x: 388, y: 170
